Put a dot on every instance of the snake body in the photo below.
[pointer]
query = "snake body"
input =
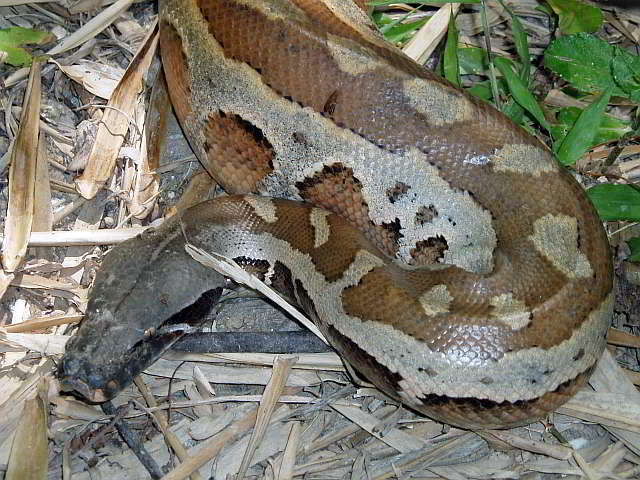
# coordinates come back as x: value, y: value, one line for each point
x: 441, y: 250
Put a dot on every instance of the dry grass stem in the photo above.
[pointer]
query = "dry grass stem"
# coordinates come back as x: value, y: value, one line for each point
x: 94, y: 26
x: 82, y: 237
x: 200, y: 186
x: 41, y: 323
x: 623, y: 339
x: 89, y: 30
x: 288, y: 460
x: 161, y: 420
x: 611, y: 409
x: 329, y: 361
x: 294, y: 399
x: 230, y: 269
x: 395, y: 438
x: 268, y: 402
x: 212, y: 447
x: 516, y: 441
x: 146, y: 184
x: 231, y: 375
x: 43, y: 216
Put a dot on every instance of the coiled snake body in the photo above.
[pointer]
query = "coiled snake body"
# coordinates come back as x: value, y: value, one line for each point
x: 450, y: 260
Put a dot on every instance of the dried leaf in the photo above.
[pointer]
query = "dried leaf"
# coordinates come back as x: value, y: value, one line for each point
x: 42, y: 213
x: 146, y: 183
x: 29, y: 452
x: 97, y: 78
x: 22, y: 173
x: 115, y: 121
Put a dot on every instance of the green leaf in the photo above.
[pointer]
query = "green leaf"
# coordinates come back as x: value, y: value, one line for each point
x: 616, y: 202
x: 610, y: 127
x: 625, y: 68
x: 584, y: 61
x: 522, y: 46
x: 12, y: 39
x: 634, y: 245
x: 575, y: 16
x: 514, y: 111
x: 401, y: 32
x: 396, y: 30
x: 473, y: 60
x: 481, y: 90
x: 581, y: 135
x: 520, y: 92
x: 382, y: 20
x: 451, y: 66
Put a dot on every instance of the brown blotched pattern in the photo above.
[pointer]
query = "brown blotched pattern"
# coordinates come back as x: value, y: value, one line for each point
x: 237, y: 154
x: 507, y: 316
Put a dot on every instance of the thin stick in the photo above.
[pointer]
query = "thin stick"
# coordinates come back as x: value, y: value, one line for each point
x: 133, y: 442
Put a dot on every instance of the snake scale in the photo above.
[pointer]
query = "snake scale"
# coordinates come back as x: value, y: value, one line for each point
x: 439, y: 247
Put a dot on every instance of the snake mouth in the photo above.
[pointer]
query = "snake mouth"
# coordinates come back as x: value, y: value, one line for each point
x: 94, y: 395
x: 74, y: 377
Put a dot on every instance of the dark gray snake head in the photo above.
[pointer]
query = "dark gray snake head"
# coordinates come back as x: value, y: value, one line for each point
x: 146, y: 293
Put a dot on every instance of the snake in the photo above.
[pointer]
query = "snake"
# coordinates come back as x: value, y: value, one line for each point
x: 437, y: 245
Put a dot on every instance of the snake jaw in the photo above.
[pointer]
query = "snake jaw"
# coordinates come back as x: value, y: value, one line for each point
x: 75, y: 385
x: 74, y: 377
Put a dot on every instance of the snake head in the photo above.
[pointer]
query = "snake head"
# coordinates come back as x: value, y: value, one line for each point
x: 148, y: 292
